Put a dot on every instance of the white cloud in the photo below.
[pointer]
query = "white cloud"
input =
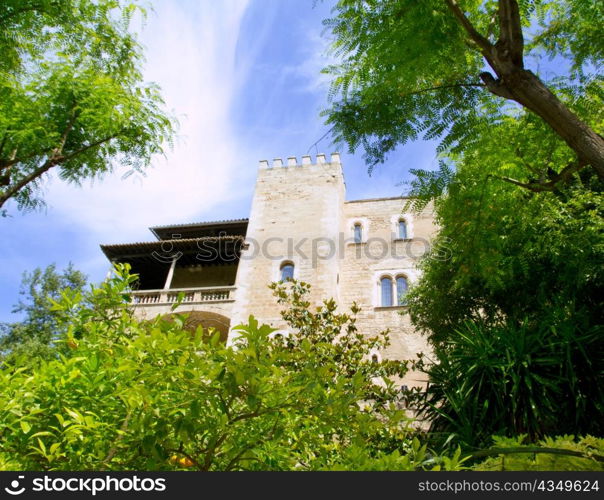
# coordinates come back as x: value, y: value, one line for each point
x: 317, y: 56
x: 191, y: 52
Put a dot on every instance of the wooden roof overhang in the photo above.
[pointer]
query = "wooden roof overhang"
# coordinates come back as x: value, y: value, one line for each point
x: 206, y: 251
x: 233, y: 227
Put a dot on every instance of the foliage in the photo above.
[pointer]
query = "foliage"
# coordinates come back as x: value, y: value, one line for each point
x: 511, y: 256
x: 514, y: 284
x: 36, y: 333
x: 356, y: 458
x: 513, y: 307
x: 130, y: 395
x: 531, y: 379
x: 330, y: 341
x: 71, y: 95
x: 560, y: 453
x: 413, y: 69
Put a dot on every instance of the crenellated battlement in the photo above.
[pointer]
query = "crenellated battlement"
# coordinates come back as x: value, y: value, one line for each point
x: 292, y: 161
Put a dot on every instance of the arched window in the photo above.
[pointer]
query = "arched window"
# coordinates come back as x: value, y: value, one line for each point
x: 401, y: 290
x: 386, y: 285
x: 375, y: 358
x: 402, y: 229
x: 358, y: 233
x: 287, y: 271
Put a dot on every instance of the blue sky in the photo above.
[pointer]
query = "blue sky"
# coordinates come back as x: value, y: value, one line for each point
x: 243, y: 77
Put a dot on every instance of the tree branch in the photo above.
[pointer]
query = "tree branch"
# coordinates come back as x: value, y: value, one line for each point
x: 210, y: 454
x: 4, y: 138
x: 94, y: 144
x: 511, y: 40
x: 237, y: 457
x: 319, y: 140
x: 554, y: 179
x: 483, y: 43
x: 5, y: 165
x: 535, y: 171
x: 439, y: 87
x: 26, y: 180
x: 56, y: 153
x: 68, y: 128
x: 495, y: 86
x: 48, y: 164
x: 258, y: 413
x: 225, y: 406
x: 123, y: 430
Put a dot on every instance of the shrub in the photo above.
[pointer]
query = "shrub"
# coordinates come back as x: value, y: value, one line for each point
x: 132, y: 395
x: 529, y: 379
x: 562, y: 453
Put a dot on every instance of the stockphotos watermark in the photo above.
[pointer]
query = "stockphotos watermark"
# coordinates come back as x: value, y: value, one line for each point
x: 305, y: 249
x: 86, y: 485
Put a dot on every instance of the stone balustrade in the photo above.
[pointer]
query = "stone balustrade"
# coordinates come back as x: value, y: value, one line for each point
x: 202, y: 295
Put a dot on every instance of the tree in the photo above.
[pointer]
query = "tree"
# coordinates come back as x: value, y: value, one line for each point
x: 451, y: 70
x: 36, y: 333
x: 71, y: 95
x: 512, y: 299
x: 508, y: 254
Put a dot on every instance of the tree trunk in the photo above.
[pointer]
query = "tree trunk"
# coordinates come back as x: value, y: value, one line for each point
x: 521, y: 85
x: 527, y: 89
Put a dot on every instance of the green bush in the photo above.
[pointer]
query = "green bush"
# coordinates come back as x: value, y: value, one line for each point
x: 509, y: 380
x: 130, y: 395
x: 563, y: 453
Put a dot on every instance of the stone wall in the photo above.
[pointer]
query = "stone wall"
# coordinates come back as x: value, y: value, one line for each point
x: 382, y: 254
x: 299, y: 216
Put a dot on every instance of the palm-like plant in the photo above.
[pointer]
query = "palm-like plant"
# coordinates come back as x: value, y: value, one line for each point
x: 533, y: 379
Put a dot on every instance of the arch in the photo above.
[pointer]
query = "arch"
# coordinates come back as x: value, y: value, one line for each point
x: 403, y: 230
x: 286, y: 270
x: 402, y: 226
x: 206, y: 320
x: 402, y: 286
x: 386, y: 291
x: 391, y: 287
x: 357, y: 231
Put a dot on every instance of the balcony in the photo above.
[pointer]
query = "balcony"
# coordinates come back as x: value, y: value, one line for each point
x: 200, y: 295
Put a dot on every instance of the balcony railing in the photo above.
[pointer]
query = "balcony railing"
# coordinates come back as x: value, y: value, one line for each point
x: 190, y: 295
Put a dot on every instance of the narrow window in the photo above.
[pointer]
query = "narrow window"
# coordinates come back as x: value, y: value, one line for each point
x: 401, y: 290
x: 386, y: 284
x: 358, y: 233
x: 287, y: 271
x: 402, y: 229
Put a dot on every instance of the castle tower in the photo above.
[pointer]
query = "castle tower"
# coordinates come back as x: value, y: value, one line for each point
x: 294, y: 227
